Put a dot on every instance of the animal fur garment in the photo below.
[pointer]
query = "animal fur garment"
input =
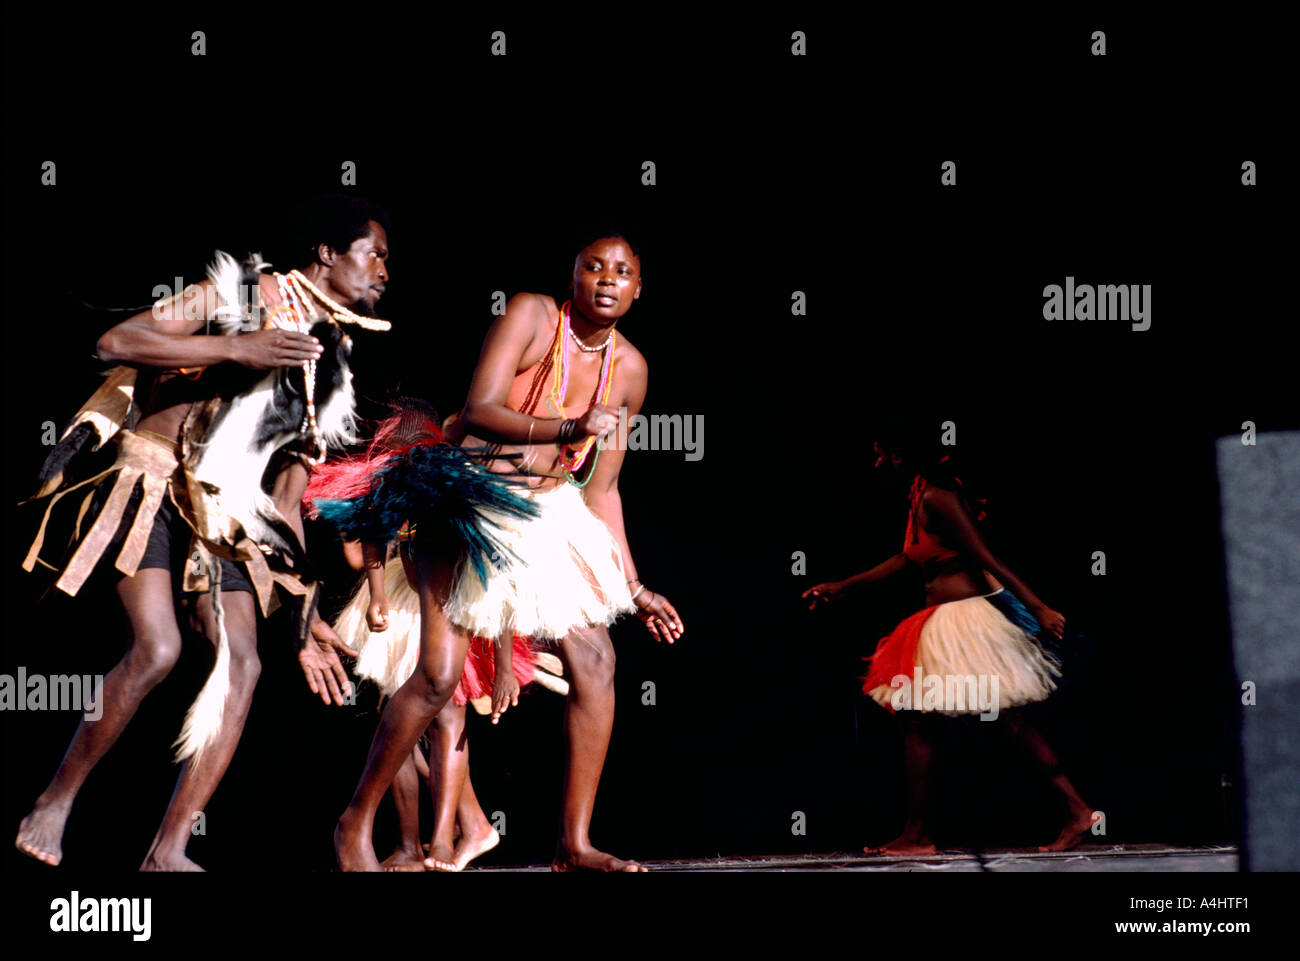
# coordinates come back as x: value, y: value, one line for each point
x: 228, y: 442
x: 98, y: 421
x: 226, y: 446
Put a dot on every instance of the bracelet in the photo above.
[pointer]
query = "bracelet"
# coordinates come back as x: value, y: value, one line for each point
x: 568, y: 429
x: 638, y: 592
x: 532, y: 422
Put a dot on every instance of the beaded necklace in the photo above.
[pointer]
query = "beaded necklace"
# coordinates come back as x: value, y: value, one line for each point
x: 293, y: 307
x: 572, y: 457
x: 340, y: 313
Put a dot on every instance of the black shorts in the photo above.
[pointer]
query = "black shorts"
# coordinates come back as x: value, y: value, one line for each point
x: 168, y: 545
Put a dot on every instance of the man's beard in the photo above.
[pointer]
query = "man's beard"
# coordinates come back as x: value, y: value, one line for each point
x: 363, y: 307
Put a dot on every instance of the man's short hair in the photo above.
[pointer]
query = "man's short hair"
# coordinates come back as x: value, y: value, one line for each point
x: 336, y: 220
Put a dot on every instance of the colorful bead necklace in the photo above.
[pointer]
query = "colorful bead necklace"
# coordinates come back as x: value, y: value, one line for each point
x: 572, y: 457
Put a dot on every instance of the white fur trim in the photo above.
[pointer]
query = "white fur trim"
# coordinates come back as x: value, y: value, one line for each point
x: 224, y: 272
x: 203, y: 720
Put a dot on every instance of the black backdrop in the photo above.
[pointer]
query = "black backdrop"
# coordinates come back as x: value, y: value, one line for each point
x: 773, y: 176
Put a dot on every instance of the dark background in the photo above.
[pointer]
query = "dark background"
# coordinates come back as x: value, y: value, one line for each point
x: 774, y: 175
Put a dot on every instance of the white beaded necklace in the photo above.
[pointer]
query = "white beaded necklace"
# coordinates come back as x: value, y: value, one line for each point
x: 590, y: 350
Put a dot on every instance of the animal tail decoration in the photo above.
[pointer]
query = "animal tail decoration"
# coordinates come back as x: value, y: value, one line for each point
x: 203, y: 719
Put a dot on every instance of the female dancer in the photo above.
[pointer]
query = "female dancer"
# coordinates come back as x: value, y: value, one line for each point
x: 550, y: 382
x: 972, y: 627
x: 382, y: 623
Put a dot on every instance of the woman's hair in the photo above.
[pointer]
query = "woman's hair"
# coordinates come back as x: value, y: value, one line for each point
x: 584, y: 237
x: 412, y: 421
x: 924, y: 454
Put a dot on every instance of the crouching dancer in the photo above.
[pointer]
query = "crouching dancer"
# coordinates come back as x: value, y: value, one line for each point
x: 198, y: 421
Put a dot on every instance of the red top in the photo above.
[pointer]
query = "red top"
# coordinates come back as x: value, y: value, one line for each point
x: 918, y: 545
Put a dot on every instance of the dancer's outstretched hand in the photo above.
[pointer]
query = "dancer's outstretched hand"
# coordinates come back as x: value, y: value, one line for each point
x: 659, y: 617
x: 1051, y: 620
x: 320, y: 662
x: 505, y: 694
x: 824, y: 593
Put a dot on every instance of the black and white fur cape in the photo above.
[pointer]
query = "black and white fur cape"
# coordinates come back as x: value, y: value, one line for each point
x: 227, y: 445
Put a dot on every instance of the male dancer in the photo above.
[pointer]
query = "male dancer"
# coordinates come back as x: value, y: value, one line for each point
x: 519, y: 352
x: 348, y: 251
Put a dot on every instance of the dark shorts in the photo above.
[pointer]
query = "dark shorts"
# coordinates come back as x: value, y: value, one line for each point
x: 168, y: 545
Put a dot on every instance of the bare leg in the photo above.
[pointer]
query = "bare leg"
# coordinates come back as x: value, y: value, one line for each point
x: 155, y: 646
x: 448, y: 766
x: 409, y: 712
x: 197, y: 782
x: 918, y: 754
x: 588, y: 720
x: 405, y: 789
x: 422, y: 770
x: 477, y: 835
x: 1079, y: 822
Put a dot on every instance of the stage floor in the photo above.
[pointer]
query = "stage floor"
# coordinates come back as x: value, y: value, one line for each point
x: 1086, y: 857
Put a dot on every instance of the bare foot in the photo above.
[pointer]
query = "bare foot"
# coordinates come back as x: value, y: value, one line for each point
x: 904, y: 847
x: 592, y: 860
x: 404, y: 859
x: 1074, y: 831
x: 161, y: 861
x: 468, y: 848
x: 352, y: 849
x: 40, y: 835
x: 441, y: 858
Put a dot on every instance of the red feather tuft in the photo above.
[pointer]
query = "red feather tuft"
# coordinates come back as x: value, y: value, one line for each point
x: 348, y: 477
x: 896, y: 652
x: 480, y: 668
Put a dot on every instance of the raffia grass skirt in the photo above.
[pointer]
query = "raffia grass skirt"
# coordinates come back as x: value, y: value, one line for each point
x: 386, y: 657
x: 566, y: 572
x: 981, y: 637
x: 389, y: 657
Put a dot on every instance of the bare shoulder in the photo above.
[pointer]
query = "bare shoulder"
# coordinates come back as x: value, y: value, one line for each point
x: 631, y: 360
x: 631, y: 374
x: 267, y: 288
x: 937, y: 496
x: 941, y: 504
x: 528, y: 326
x: 539, y: 308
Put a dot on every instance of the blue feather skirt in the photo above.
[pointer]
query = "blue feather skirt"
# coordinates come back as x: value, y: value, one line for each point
x: 437, y: 487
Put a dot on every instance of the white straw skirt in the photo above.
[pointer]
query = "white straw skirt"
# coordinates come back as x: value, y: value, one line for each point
x: 386, y: 657
x: 566, y: 572
x: 955, y: 642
